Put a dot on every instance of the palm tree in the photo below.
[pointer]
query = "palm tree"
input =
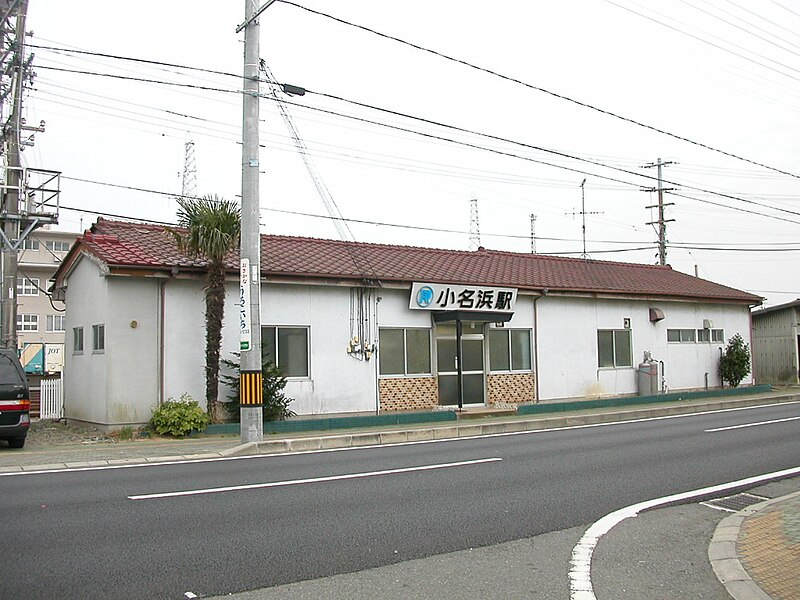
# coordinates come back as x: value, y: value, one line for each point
x: 211, y: 228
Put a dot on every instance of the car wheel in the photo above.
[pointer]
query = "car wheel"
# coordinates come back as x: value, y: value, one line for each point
x: 16, y: 442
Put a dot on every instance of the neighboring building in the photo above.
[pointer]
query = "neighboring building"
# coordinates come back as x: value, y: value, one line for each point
x: 374, y: 327
x: 40, y: 322
x: 776, y: 344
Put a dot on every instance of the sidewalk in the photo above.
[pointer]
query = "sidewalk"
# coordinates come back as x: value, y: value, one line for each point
x: 755, y: 552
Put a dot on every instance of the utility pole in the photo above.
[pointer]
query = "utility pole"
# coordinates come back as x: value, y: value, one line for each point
x: 661, y: 222
x: 30, y: 196
x: 250, y: 377
x: 474, y: 226
x: 533, y: 233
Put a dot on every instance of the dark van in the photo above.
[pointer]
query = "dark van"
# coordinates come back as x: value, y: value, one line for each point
x: 15, y: 400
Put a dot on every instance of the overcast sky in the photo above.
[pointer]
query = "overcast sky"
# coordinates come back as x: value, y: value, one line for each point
x: 578, y: 91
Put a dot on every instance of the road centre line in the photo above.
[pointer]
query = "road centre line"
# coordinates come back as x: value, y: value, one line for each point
x: 254, y: 486
x: 185, y: 461
x: 752, y: 424
x: 580, y: 580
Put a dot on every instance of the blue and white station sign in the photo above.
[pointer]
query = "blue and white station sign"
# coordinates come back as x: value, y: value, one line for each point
x: 442, y: 296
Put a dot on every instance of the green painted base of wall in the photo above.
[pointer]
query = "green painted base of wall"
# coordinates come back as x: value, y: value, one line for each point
x: 354, y: 422
x: 327, y: 424
x: 549, y: 407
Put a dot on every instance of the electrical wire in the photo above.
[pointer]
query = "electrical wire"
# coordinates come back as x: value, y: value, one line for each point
x: 463, y: 130
x: 539, y: 89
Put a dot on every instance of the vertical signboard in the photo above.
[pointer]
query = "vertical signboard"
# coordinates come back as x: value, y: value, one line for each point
x: 245, y: 337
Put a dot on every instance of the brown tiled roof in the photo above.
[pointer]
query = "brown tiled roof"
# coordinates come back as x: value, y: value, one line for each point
x: 132, y: 245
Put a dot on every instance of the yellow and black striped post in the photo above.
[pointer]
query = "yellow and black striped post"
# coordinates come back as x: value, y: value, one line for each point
x: 251, y: 388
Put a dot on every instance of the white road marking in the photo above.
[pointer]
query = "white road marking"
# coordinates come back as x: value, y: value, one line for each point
x: 397, y: 444
x: 580, y: 580
x: 255, y: 486
x: 752, y: 424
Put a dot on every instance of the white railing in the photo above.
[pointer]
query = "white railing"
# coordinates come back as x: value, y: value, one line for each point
x: 51, y: 403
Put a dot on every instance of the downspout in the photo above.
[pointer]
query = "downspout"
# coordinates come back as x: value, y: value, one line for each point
x: 536, y: 398
x: 376, y: 349
x: 161, y: 319
x: 752, y: 349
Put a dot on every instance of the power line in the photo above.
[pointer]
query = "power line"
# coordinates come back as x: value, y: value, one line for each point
x: 443, y: 125
x: 539, y: 89
x: 545, y: 150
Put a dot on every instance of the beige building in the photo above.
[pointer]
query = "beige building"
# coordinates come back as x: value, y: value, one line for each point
x: 40, y: 321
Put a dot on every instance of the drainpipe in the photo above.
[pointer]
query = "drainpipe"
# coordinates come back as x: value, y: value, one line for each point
x: 374, y: 354
x: 160, y: 327
x: 537, y: 398
x: 752, y: 349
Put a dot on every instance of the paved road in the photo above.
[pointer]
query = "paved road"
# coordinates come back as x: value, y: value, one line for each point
x: 87, y: 538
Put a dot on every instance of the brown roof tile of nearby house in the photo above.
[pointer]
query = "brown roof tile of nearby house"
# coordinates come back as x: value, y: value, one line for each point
x: 133, y: 245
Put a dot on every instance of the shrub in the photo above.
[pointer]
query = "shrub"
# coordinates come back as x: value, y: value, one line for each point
x: 179, y: 417
x: 276, y: 404
x: 734, y: 364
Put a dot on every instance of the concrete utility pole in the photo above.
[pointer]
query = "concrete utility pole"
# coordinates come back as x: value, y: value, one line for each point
x: 250, y: 379
x: 533, y: 233
x: 11, y: 195
x: 661, y: 222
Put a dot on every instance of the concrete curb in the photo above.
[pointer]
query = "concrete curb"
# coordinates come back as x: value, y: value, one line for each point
x: 452, y: 430
x: 473, y: 429
x: 725, y: 559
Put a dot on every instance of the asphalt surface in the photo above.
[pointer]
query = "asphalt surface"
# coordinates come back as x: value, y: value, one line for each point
x: 660, y: 554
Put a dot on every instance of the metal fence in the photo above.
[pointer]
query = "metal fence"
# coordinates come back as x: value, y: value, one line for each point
x: 52, y: 399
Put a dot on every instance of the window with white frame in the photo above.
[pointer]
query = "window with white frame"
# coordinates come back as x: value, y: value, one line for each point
x: 27, y: 322
x: 286, y: 348
x: 614, y: 348
x: 57, y: 246
x: 27, y: 286
x: 718, y: 336
x: 55, y: 323
x: 404, y: 351
x: 509, y: 349
x: 77, y: 339
x: 30, y: 243
x: 683, y: 336
x: 99, y: 337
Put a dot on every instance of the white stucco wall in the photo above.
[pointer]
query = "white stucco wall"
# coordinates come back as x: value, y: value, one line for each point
x: 121, y: 385
x: 132, y: 349
x: 567, y: 338
x: 85, y: 374
x: 118, y: 386
x: 336, y: 382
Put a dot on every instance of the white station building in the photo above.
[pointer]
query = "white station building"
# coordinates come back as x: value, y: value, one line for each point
x: 366, y: 328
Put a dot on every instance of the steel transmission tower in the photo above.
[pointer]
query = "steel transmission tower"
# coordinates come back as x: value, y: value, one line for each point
x: 474, y: 225
x: 189, y: 179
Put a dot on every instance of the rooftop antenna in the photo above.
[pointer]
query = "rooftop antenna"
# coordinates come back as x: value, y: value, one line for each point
x: 583, y: 214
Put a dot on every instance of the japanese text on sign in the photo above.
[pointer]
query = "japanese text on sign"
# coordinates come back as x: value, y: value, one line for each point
x: 437, y: 296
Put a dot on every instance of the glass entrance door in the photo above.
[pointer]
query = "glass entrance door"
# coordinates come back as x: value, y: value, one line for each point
x: 472, y: 368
